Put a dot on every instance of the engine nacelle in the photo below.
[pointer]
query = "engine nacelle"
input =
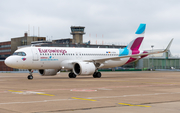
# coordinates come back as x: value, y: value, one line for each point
x: 84, y: 68
x: 48, y: 72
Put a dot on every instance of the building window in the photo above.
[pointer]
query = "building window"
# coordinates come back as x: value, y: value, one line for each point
x: 23, y: 42
x: 5, y: 50
x: 4, y: 46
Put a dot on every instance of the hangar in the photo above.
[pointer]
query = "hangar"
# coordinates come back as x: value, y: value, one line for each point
x: 159, y: 62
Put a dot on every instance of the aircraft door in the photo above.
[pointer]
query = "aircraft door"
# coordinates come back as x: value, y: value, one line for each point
x: 78, y: 55
x: 35, y: 54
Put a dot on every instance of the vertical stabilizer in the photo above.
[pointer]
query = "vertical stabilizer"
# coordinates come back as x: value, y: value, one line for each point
x: 141, y: 29
x: 136, y: 43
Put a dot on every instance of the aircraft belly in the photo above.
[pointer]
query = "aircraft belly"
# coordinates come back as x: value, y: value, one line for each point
x: 45, y: 65
x: 115, y: 63
x: 66, y: 64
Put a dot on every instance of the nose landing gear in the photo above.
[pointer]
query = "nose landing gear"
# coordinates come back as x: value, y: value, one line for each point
x: 30, y: 77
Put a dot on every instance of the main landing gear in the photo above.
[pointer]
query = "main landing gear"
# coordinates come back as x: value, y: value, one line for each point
x: 97, y: 75
x: 72, y: 75
x: 30, y: 77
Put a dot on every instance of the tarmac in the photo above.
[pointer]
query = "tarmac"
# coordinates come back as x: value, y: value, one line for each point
x: 115, y: 92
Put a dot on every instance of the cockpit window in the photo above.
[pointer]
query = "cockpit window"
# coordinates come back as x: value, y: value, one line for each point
x: 20, y: 53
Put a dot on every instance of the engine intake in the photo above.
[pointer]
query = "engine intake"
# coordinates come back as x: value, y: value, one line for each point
x: 84, y: 68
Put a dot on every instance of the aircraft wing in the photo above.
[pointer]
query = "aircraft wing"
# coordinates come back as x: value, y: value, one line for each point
x: 135, y: 56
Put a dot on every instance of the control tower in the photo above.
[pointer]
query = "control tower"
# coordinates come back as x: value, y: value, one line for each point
x: 77, y: 32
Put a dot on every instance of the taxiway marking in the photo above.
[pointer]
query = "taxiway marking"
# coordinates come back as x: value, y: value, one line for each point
x: 44, y: 94
x: 91, y: 98
x: 106, y: 87
x: 83, y: 90
x: 15, y: 91
x: 83, y: 99
x: 29, y: 92
x: 133, y: 105
x: 96, y: 88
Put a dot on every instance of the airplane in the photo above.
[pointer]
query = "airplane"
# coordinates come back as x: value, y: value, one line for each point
x: 79, y: 61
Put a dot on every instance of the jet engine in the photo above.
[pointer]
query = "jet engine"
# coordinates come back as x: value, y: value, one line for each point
x: 84, y: 68
x: 48, y: 72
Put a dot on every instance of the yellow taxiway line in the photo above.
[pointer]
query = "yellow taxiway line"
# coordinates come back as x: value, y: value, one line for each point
x: 83, y: 99
x: 133, y: 105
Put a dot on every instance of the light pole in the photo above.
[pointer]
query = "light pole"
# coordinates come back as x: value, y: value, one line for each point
x: 152, y: 56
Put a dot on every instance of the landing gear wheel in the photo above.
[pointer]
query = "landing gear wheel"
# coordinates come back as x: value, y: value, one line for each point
x: 72, y: 75
x: 97, y: 75
x: 30, y: 77
x: 94, y: 75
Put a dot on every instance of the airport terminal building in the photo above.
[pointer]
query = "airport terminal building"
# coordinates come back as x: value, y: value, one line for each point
x: 159, y: 62
x: 8, y: 48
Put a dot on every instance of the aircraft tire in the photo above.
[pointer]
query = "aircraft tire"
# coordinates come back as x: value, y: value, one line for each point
x: 30, y: 77
x: 94, y: 75
x: 97, y: 75
x: 72, y: 75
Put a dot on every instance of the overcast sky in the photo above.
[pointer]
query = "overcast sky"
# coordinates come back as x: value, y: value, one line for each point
x: 114, y: 21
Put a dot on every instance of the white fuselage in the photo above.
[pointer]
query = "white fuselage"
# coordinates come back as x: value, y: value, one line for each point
x: 60, y: 57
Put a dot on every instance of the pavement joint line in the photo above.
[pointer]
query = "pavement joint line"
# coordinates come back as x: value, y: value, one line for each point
x: 3, y: 92
x: 104, y: 89
x: 35, y: 101
x: 134, y: 95
x: 125, y: 104
x: 77, y: 109
x: 83, y: 99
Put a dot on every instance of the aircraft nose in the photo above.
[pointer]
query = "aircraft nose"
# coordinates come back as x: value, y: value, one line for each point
x: 9, y: 61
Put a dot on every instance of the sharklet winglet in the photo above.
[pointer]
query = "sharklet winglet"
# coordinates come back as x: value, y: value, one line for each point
x: 169, y: 45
